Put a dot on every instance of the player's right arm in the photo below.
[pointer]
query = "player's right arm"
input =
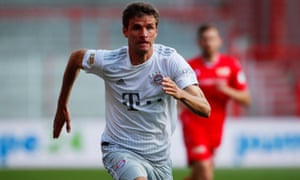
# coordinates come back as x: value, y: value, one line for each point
x: 62, y: 115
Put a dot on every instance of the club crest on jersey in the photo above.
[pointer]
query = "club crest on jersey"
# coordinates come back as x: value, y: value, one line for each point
x: 120, y: 164
x: 157, y: 78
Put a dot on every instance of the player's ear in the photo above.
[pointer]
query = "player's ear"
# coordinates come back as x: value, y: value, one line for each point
x: 219, y: 41
x: 156, y: 32
x: 198, y: 42
x: 125, y: 31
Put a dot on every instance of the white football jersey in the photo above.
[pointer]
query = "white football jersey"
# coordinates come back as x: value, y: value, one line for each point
x: 140, y: 117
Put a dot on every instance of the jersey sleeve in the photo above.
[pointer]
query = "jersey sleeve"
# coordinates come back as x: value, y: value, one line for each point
x: 93, y: 62
x: 239, y: 78
x: 182, y: 73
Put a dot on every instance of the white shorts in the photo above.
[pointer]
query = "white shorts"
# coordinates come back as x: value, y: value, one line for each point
x: 122, y: 164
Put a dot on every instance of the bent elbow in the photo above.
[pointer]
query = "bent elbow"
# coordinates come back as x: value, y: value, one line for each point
x: 208, y: 111
x: 205, y: 111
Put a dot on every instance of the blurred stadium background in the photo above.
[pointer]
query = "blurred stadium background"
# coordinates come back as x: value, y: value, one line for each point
x: 36, y: 38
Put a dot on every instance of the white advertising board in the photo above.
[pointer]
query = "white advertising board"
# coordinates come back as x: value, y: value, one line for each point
x: 246, y: 142
x: 30, y: 144
x: 260, y: 142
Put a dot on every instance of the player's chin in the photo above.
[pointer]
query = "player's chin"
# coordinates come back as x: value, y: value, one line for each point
x: 145, y: 47
x: 143, y: 50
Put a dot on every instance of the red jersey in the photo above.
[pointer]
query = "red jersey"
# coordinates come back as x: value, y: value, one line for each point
x: 226, y: 69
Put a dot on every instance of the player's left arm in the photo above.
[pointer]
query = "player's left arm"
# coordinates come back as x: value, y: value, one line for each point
x: 237, y: 88
x: 192, y: 96
x: 242, y: 96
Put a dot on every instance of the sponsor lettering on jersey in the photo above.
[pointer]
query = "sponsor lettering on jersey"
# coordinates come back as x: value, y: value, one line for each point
x: 223, y: 71
x: 131, y: 100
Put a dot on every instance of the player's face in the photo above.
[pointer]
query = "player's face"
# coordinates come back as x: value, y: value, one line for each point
x: 210, y: 42
x: 141, y: 33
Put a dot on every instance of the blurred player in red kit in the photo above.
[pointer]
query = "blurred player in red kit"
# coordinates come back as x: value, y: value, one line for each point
x: 221, y: 78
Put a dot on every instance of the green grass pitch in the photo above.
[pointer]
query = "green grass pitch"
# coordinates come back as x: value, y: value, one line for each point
x: 179, y: 174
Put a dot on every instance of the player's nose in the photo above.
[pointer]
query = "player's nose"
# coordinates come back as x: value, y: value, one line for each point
x: 144, y: 32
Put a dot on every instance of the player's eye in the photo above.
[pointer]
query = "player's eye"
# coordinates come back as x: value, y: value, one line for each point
x: 150, y: 27
x: 136, y: 27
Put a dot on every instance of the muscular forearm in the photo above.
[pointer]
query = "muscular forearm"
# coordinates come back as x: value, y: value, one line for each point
x: 192, y: 96
x: 197, y: 104
x: 242, y: 97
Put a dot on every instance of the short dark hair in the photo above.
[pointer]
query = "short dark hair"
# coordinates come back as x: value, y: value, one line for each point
x: 139, y: 9
x: 204, y: 27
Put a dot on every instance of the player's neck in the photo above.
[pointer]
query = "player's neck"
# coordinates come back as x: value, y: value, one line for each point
x: 139, y: 58
x: 210, y: 57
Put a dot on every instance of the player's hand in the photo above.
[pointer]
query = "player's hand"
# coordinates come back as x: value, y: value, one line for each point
x: 221, y: 85
x: 62, y: 116
x: 170, y: 88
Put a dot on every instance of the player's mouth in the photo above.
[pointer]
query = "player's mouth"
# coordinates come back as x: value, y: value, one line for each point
x: 143, y: 43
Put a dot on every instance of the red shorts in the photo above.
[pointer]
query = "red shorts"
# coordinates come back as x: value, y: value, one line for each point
x: 200, y: 142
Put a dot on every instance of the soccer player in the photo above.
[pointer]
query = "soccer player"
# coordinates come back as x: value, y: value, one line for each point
x: 143, y: 81
x: 221, y: 78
